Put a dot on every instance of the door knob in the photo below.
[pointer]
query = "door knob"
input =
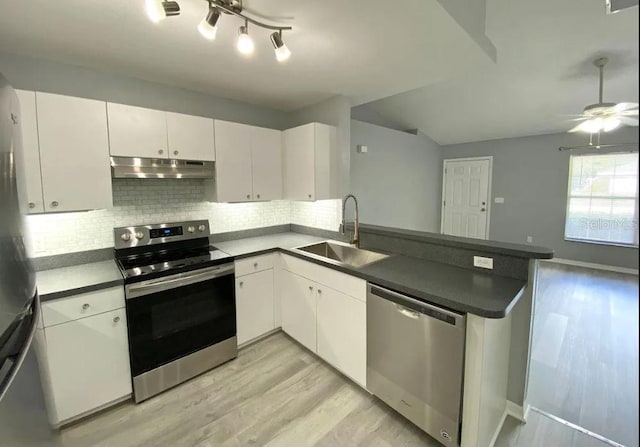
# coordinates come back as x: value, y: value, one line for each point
x: 85, y: 306
x: 241, y: 283
x: 54, y: 204
x: 483, y: 209
x: 258, y: 196
x: 248, y: 196
x: 161, y: 151
x: 175, y: 152
x: 116, y: 319
x: 32, y: 205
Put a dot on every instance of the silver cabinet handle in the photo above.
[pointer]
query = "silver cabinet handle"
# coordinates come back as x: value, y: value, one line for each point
x: 54, y: 204
x: 161, y: 151
x: 32, y: 205
x: 85, y: 306
x: 116, y: 319
x: 255, y: 265
x: 241, y: 283
x: 320, y: 291
x: 309, y: 195
x: 175, y: 152
x: 310, y: 287
x: 248, y: 196
x: 483, y: 209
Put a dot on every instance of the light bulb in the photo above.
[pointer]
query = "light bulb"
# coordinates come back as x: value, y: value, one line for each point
x: 207, y: 26
x: 282, y: 52
x: 245, y: 42
x: 155, y: 10
x: 610, y: 123
x: 593, y: 125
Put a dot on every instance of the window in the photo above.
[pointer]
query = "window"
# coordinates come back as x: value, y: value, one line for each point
x: 602, y: 204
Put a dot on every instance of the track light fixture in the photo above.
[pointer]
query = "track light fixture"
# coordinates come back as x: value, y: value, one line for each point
x: 245, y: 42
x: 208, y: 27
x: 158, y: 10
x: 282, y: 52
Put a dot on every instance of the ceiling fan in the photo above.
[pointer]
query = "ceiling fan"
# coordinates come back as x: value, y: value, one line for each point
x: 606, y: 116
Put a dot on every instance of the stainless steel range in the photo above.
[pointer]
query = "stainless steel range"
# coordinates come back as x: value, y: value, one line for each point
x: 180, y: 302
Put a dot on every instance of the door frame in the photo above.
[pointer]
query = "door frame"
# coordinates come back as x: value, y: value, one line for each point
x: 490, y: 181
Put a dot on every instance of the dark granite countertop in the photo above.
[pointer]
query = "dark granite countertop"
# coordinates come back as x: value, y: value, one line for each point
x: 459, y: 289
x: 488, y: 246
x: 68, y: 281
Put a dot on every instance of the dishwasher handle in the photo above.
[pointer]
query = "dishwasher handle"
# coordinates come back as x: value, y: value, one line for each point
x: 413, y: 308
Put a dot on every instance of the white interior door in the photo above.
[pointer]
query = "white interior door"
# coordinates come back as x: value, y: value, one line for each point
x: 465, y: 205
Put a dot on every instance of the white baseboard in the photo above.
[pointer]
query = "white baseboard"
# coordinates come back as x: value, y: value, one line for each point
x: 494, y: 438
x: 516, y: 411
x: 591, y: 265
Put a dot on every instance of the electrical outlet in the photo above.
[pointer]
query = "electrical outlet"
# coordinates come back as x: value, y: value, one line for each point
x: 362, y: 149
x: 485, y: 263
x: 499, y: 200
x: 40, y: 245
x: 529, y: 239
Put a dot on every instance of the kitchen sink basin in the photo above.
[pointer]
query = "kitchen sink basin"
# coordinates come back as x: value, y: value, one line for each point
x: 343, y: 254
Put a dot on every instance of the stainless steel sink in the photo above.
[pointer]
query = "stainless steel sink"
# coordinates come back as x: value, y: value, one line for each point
x: 343, y: 254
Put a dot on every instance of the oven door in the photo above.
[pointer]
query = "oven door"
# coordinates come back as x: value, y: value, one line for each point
x: 171, y: 317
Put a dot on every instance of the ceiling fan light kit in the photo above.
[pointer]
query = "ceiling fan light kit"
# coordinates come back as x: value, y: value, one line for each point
x: 606, y: 116
x: 158, y: 10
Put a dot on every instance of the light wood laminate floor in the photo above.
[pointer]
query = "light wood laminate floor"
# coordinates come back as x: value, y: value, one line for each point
x: 584, y: 362
x: 275, y: 393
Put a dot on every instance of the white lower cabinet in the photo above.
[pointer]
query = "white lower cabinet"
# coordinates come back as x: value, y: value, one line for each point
x: 298, y: 301
x: 86, y: 362
x: 327, y: 321
x: 342, y: 333
x: 254, y: 305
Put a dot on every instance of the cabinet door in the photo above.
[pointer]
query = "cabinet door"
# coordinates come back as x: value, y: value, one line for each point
x: 74, y: 153
x: 88, y: 363
x: 266, y: 155
x: 233, y: 162
x: 342, y: 333
x: 299, y: 163
x: 190, y: 137
x: 137, y: 132
x: 31, y: 151
x: 254, y: 305
x: 298, y: 300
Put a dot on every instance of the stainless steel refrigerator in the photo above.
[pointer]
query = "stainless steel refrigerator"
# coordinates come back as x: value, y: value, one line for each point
x: 23, y: 417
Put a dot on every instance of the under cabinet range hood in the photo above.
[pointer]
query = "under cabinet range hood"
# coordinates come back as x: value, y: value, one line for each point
x: 134, y: 167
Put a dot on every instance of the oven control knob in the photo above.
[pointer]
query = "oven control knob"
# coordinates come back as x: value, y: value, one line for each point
x: 201, y: 228
x: 139, y: 235
x: 191, y: 229
x: 125, y: 236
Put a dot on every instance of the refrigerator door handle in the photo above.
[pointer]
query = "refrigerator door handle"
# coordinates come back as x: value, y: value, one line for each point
x: 16, y: 361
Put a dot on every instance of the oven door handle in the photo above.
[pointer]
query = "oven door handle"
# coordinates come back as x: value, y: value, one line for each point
x: 172, y: 282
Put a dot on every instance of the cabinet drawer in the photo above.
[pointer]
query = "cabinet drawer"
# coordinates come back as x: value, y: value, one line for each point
x: 254, y: 264
x: 82, y: 305
x: 347, y: 284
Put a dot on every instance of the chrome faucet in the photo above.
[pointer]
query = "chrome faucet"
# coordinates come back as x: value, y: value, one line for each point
x: 356, y: 231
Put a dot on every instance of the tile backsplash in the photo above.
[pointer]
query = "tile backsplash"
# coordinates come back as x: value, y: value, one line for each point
x: 146, y: 201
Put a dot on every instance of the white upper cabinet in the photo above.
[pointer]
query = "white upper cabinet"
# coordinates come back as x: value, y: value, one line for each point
x: 310, y: 162
x: 266, y: 154
x: 137, y: 132
x: 233, y: 162
x: 248, y: 163
x: 31, y: 151
x: 74, y: 153
x: 190, y: 137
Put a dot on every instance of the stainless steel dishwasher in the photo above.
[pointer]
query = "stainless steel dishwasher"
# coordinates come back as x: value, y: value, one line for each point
x: 415, y: 361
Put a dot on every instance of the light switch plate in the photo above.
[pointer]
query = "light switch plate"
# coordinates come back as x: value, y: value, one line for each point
x: 362, y: 149
x: 499, y: 200
x: 482, y: 262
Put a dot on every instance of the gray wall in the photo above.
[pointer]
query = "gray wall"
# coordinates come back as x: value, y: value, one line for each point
x: 398, y: 181
x: 532, y: 176
x: 36, y: 74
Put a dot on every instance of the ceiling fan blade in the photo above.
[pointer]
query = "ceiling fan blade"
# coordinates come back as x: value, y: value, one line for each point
x: 628, y: 113
x: 622, y: 106
x: 628, y: 121
x: 578, y: 128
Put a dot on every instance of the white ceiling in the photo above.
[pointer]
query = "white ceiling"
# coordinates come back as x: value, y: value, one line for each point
x: 363, y: 49
x: 543, y: 73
